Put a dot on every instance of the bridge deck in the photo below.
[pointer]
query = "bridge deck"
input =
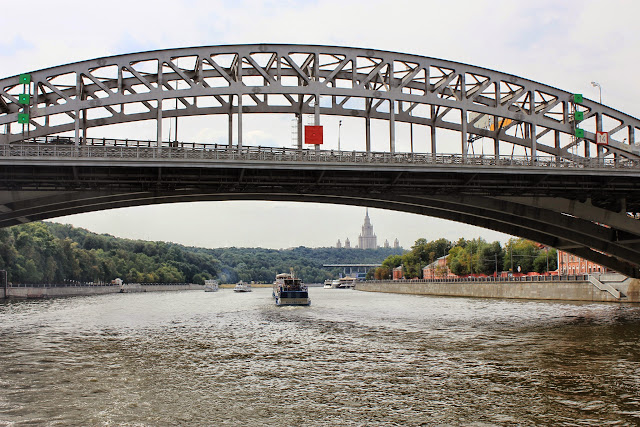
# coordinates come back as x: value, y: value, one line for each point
x: 101, y: 149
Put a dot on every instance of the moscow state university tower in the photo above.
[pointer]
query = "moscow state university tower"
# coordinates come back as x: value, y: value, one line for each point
x: 367, y: 240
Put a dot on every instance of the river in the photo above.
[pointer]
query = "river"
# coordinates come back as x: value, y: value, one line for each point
x: 352, y: 358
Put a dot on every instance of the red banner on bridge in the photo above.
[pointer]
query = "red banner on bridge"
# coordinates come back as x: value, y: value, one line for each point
x: 313, y: 135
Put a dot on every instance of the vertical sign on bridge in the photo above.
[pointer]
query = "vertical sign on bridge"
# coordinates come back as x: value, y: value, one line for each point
x: 602, y: 138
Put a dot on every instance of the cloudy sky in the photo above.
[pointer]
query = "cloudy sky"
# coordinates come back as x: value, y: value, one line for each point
x: 566, y: 44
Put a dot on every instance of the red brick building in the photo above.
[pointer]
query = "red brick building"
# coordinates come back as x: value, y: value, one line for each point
x: 569, y: 264
x: 438, y: 270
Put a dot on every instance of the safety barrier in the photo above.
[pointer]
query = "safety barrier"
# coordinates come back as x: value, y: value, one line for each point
x: 101, y: 148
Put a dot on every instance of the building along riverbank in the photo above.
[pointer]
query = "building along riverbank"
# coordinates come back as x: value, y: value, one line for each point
x: 597, y: 288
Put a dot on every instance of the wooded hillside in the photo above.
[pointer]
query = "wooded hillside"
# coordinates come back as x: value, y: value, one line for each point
x: 43, y: 252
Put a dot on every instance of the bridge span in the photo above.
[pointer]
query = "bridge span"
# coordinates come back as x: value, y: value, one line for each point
x: 564, y: 171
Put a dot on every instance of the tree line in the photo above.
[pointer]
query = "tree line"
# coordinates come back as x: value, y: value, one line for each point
x: 50, y: 253
x: 475, y: 256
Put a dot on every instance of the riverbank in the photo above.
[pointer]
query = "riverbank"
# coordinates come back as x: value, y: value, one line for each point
x: 604, y: 288
x: 52, y: 291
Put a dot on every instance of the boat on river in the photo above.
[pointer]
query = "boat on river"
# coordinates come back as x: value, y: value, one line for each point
x: 211, y: 285
x: 242, y: 287
x: 341, y: 283
x: 289, y: 290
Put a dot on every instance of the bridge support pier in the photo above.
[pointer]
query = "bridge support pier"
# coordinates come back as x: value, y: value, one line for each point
x: 367, y: 133
x: 534, y: 144
x: 84, y: 126
x: 599, y: 148
x: 76, y: 135
x: 464, y: 134
x: 434, y: 148
x: 367, y: 125
x: 230, y: 131
x: 316, y: 116
x: 299, y: 124
x: 159, y: 125
x: 239, y: 122
x: 392, y: 126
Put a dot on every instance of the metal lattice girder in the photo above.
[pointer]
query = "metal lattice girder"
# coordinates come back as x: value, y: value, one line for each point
x: 291, y: 78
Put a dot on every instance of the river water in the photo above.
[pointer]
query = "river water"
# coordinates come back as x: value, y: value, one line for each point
x: 352, y: 358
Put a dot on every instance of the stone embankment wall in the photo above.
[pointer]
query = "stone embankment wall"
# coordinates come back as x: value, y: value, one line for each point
x: 633, y: 292
x: 65, y: 291
x: 556, y: 290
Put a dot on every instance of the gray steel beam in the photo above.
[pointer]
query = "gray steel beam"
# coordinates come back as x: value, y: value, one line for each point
x: 453, y: 90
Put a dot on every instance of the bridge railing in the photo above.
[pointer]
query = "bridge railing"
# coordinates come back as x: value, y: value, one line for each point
x: 103, y: 148
x: 540, y: 278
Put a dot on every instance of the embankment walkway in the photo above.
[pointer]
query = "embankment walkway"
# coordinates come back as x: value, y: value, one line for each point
x: 50, y: 291
x: 602, y: 288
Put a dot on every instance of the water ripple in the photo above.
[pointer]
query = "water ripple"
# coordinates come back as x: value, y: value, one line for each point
x: 351, y: 359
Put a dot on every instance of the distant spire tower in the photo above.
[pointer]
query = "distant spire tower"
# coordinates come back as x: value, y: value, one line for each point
x: 367, y: 239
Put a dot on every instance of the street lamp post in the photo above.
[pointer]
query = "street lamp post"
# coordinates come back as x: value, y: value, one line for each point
x: 547, y: 260
x: 339, y: 127
x: 596, y: 84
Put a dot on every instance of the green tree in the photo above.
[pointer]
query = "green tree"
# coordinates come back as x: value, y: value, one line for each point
x: 458, y: 262
x: 547, y: 257
x: 31, y: 273
x: 522, y: 253
x: 382, y: 273
x: 489, y: 259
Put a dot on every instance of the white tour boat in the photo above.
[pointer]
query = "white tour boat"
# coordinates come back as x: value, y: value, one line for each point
x: 242, y: 287
x: 211, y: 285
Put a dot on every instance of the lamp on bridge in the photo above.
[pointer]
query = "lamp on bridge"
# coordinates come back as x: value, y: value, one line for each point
x: 596, y: 84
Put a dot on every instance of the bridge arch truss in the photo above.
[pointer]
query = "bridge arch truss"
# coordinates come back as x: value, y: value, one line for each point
x: 567, y: 191
x: 316, y: 80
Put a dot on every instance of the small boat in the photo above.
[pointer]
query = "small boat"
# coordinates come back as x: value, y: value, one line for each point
x: 242, y: 287
x: 344, y: 283
x: 288, y: 290
x: 327, y: 284
x: 211, y: 286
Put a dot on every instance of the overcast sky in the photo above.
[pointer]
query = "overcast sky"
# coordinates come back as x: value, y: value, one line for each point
x: 566, y: 44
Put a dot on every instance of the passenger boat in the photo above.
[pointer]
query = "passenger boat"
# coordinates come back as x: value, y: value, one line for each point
x: 211, y: 285
x: 344, y: 283
x: 289, y: 290
x: 242, y: 287
x: 327, y: 284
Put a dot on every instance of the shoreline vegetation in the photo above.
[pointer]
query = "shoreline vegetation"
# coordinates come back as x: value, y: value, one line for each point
x: 59, y: 254
x: 44, y: 252
x: 470, y: 257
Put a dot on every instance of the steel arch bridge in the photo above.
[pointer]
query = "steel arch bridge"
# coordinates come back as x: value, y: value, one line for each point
x: 562, y: 189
